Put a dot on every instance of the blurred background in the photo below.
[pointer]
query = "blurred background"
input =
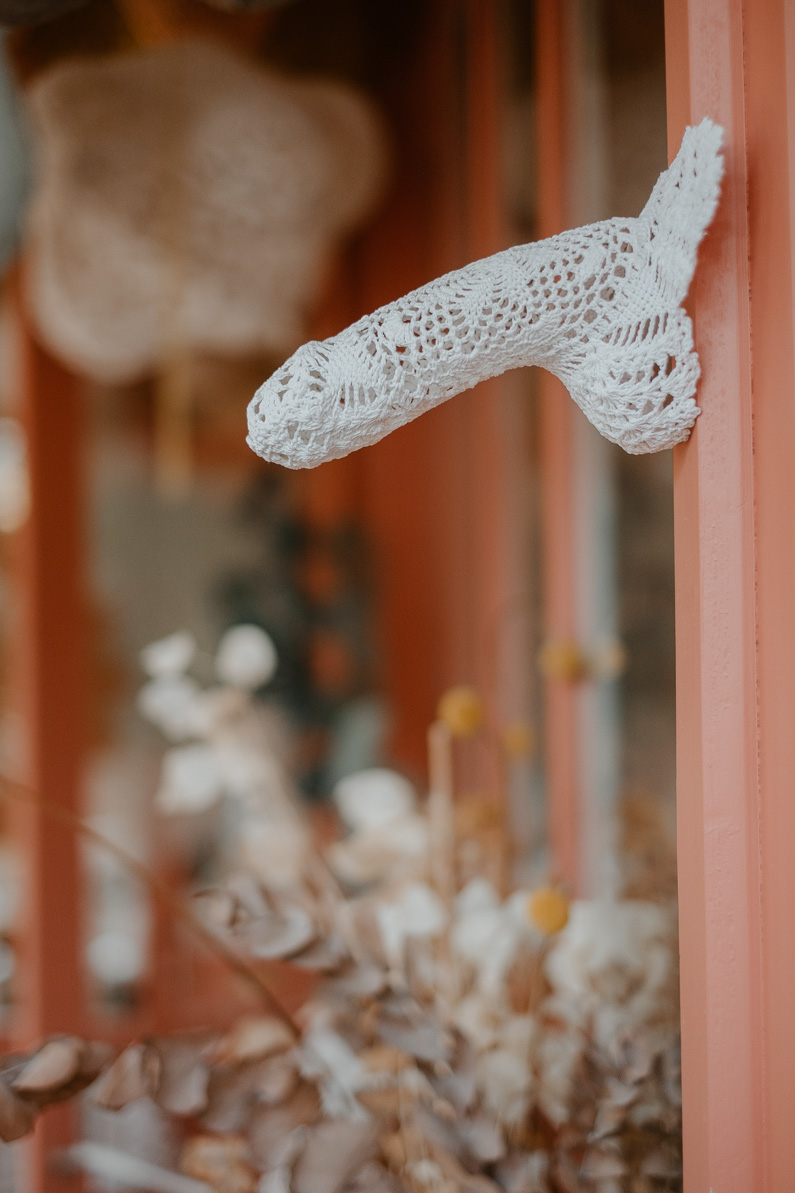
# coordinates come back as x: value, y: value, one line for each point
x: 188, y: 191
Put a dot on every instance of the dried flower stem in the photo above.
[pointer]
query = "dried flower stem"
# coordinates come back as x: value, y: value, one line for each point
x: 506, y: 853
x: 441, y: 818
x: 159, y: 889
x: 440, y: 810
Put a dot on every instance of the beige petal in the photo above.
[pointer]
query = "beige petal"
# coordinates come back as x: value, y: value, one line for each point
x: 16, y: 1117
x: 133, y: 1075
x: 55, y: 1064
x: 253, y: 1038
x: 220, y: 1160
x: 185, y: 1073
x: 334, y: 1150
x: 269, y: 1127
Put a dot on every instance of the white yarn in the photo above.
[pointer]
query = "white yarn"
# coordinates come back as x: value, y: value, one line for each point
x: 598, y: 306
x: 187, y: 198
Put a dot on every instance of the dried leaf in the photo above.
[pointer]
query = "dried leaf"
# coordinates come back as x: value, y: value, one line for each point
x: 96, y: 1057
x: 420, y: 966
x: 235, y: 1092
x: 220, y: 1160
x: 426, y: 1041
x: 482, y: 1140
x: 16, y: 1117
x: 250, y: 899
x: 384, y: 1058
x: 253, y: 1038
x: 277, y: 934
x: 358, y: 926
x: 277, y: 1080
x: 386, y: 1103
x: 524, y: 1172
x: 372, y: 1177
x: 59, y: 1069
x: 325, y: 955
x: 216, y: 907
x: 401, y: 1147
x: 603, y: 1162
x: 664, y: 1163
x: 358, y: 983
x: 184, y: 1072
x: 334, y: 1150
x: 426, y: 1176
x: 526, y: 984
x: 461, y: 1179
x: 268, y: 1127
x: 55, y: 1064
x: 132, y: 1075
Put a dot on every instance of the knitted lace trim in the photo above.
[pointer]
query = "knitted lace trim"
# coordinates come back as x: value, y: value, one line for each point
x: 598, y: 306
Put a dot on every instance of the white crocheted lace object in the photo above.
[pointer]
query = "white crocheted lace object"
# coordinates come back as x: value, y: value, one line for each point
x: 189, y: 198
x: 598, y: 306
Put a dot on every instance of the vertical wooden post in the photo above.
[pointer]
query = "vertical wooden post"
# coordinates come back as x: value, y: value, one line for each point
x: 734, y: 490
x: 556, y: 450
x: 412, y: 480
x: 49, y: 688
x: 496, y: 412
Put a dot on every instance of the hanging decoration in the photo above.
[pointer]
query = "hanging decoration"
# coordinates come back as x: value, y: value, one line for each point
x: 189, y: 200
x: 600, y: 307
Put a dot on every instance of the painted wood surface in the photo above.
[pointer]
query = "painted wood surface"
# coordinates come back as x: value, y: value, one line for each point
x: 49, y: 689
x: 562, y: 757
x: 735, y: 565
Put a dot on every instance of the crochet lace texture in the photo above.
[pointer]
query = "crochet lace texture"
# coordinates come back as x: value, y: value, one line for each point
x: 598, y: 306
x: 187, y: 198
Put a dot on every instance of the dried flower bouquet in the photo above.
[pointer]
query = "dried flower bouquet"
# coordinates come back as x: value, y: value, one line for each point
x: 458, y: 1039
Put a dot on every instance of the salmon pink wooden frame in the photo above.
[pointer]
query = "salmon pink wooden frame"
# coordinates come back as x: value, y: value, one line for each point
x: 734, y: 486
x: 733, y: 60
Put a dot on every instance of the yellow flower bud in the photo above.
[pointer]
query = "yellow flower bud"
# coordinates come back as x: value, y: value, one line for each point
x: 548, y: 910
x: 561, y: 658
x: 461, y: 709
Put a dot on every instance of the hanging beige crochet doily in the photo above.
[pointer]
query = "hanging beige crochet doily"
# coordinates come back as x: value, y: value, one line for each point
x: 187, y: 199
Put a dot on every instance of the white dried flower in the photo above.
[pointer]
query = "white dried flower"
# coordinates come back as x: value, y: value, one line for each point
x: 486, y: 934
x: 559, y: 1055
x: 246, y: 657
x: 426, y: 1174
x: 276, y: 851
x: 478, y: 895
x: 417, y: 911
x: 505, y: 1078
x: 116, y: 957
x: 250, y: 775
x: 328, y: 1059
x: 171, y: 703
x: 190, y: 780
x: 615, y: 952
x: 381, y: 854
x: 478, y: 1019
x: 215, y: 708
x: 374, y: 798
x: 169, y: 656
